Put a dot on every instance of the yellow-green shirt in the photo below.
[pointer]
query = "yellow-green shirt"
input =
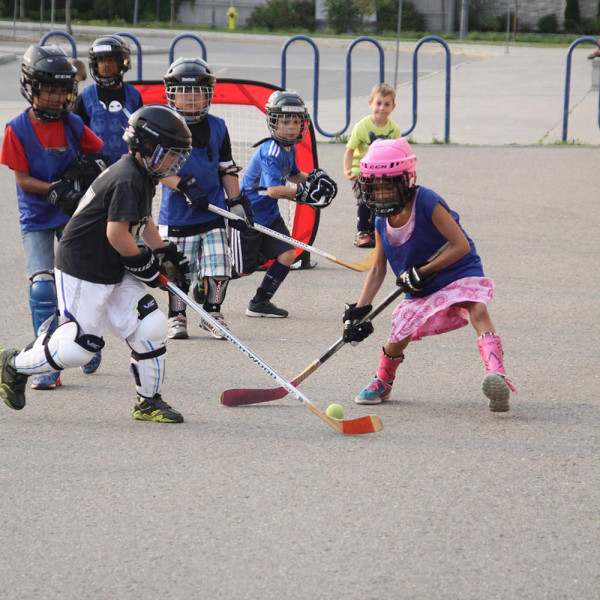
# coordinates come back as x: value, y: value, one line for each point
x: 365, y: 132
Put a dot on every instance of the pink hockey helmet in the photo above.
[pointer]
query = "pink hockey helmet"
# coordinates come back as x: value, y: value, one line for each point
x: 388, y: 158
x: 394, y: 162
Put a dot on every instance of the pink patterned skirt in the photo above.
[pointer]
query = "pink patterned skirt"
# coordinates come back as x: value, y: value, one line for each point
x: 439, y: 312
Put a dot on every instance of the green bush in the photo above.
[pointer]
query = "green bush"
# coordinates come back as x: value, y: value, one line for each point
x: 548, y: 24
x: 283, y: 15
x: 572, y: 12
x: 489, y: 24
x: 342, y: 15
x: 387, y: 16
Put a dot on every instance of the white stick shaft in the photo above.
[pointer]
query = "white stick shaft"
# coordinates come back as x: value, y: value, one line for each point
x: 237, y: 343
x: 274, y: 234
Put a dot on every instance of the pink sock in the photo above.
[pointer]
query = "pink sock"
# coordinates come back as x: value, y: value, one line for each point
x: 388, y: 366
x: 490, y: 348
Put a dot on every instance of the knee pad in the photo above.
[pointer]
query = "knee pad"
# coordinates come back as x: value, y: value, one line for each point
x: 66, y: 347
x: 151, y: 332
x: 43, y: 302
x: 148, y: 346
x: 216, y: 289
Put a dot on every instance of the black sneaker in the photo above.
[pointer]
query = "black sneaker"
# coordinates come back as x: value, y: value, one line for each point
x: 155, y: 409
x: 12, y: 383
x: 265, y: 308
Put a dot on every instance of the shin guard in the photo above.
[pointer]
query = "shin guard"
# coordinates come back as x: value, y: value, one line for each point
x: 496, y: 387
x: 490, y: 348
x: 388, y: 366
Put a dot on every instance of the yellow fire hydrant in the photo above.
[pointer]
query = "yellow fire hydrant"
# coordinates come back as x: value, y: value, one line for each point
x: 232, y: 13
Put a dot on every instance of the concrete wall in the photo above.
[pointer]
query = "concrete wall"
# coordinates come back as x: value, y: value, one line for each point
x: 439, y: 14
x: 214, y: 14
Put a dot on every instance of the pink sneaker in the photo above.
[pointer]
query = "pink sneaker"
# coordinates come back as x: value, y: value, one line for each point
x: 375, y: 393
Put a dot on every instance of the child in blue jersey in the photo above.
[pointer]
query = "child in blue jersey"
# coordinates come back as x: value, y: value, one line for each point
x: 264, y: 182
x: 106, y: 106
x: 210, y: 175
x: 42, y: 147
x: 411, y: 224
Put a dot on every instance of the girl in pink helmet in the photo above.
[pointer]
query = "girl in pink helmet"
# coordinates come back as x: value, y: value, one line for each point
x: 412, y: 223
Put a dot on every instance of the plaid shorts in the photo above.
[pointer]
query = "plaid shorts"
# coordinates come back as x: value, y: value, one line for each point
x: 208, y: 253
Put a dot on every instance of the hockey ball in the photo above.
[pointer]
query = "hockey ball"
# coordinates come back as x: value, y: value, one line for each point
x: 336, y: 411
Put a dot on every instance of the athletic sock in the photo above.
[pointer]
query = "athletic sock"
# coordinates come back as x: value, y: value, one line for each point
x: 364, y: 218
x: 273, y: 278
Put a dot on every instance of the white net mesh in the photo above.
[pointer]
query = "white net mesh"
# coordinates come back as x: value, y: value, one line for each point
x: 246, y: 125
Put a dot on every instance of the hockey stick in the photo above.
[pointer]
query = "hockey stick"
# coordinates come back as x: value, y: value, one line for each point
x: 368, y: 424
x: 239, y: 397
x: 363, y: 265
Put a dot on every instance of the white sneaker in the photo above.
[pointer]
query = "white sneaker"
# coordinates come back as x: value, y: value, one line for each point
x: 178, y: 328
x: 213, y: 331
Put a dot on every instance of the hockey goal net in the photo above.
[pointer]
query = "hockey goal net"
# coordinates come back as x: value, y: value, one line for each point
x: 241, y: 103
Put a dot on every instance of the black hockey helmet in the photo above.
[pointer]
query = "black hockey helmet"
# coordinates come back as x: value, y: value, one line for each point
x: 161, y: 137
x: 286, y: 103
x: 49, y: 66
x: 110, y: 45
x: 195, y: 78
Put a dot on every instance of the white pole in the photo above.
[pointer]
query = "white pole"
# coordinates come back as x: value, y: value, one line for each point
x: 507, y: 25
x: 398, y: 42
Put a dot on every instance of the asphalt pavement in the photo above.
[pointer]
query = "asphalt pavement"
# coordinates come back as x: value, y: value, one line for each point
x: 266, y: 501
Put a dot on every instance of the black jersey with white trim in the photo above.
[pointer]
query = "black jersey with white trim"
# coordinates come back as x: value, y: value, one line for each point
x: 121, y: 193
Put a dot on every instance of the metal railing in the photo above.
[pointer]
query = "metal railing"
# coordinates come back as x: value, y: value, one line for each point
x: 576, y: 43
x: 348, y: 95
x: 315, y: 117
x: 431, y: 38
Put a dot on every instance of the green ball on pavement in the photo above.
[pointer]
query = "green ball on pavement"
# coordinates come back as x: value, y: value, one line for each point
x: 336, y: 411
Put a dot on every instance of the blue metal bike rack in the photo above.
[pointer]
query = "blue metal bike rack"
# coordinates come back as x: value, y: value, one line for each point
x: 316, y: 76
x: 64, y: 34
x: 568, y: 83
x: 180, y: 37
x: 139, y: 51
x: 431, y: 38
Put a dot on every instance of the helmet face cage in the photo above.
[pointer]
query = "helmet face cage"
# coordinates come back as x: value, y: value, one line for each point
x: 189, y: 86
x: 191, y: 102
x: 48, y: 82
x: 287, y: 117
x: 278, y: 120
x: 161, y: 137
x: 109, y: 47
x: 164, y: 162
x: 386, y: 196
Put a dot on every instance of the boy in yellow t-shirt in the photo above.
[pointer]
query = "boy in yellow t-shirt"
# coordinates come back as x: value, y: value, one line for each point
x: 376, y: 126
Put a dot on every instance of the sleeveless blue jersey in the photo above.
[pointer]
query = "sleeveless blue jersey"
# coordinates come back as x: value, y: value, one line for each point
x: 107, y: 125
x: 424, y: 241
x: 174, y: 209
x: 35, y: 212
x: 269, y: 166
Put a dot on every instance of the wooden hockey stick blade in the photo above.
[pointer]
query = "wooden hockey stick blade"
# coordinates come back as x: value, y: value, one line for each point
x: 363, y: 265
x: 240, y: 397
x: 368, y: 424
x: 350, y: 426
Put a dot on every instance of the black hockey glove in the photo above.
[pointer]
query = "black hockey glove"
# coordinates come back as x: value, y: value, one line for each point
x: 195, y: 196
x: 317, y: 193
x: 413, y: 283
x: 242, y: 207
x: 145, y: 266
x: 354, y: 330
x: 64, y: 196
x: 84, y: 171
x: 175, y: 264
x: 321, y: 176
